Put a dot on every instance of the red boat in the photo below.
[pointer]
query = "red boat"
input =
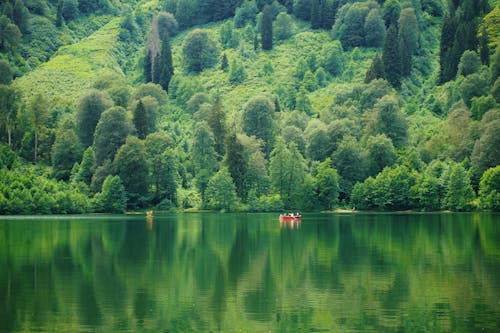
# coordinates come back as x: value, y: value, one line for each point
x: 289, y: 217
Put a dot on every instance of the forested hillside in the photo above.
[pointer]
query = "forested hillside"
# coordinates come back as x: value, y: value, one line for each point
x: 249, y: 105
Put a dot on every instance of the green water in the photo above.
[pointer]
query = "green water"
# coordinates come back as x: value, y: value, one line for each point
x: 248, y: 273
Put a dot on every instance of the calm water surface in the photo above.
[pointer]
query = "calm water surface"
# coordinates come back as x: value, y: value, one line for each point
x: 248, y: 273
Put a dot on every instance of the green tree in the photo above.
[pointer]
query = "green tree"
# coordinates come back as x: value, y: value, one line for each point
x: 236, y: 162
x: 203, y: 155
x: 221, y: 191
x: 86, y: 167
x: 59, y: 15
x: 332, y: 58
x: 70, y: 9
x: 287, y: 171
x: 408, y: 38
x: 283, y: 26
x: 302, y: 9
x: 10, y: 98
x: 224, y: 64
x: 376, y: 70
x: 349, y: 159
x: 148, y: 66
x: 10, y: 36
x: 6, y: 74
x: 20, y: 16
x: 495, y: 63
x: 489, y: 189
x: 315, y: 14
x: 113, y: 198
x: 245, y: 14
x: 481, y: 105
x: 110, y: 134
x: 39, y: 116
x: 428, y: 191
x: 266, y: 28
x: 131, y: 165
x: 216, y: 120
x: 328, y: 184
x: 391, y: 57
x: 89, y: 109
x: 486, y: 153
x: 387, y: 118
x: 199, y: 51
x: 257, y: 119
x: 66, y: 150
x: 374, y: 28
x: 167, y: 25
x: 469, y: 63
x: 303, y: 103
x: 140, y: 119
x: 391, y: 9
x: 381, y: 153
x: 484, y: 51
x: 237, y: 72
x: 459, y: 192
x: 309, y: 83
x: 163, y: 69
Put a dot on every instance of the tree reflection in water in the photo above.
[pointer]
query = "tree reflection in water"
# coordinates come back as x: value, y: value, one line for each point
x: 213, y: 272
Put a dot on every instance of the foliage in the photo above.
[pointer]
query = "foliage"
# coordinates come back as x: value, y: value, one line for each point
x: 199, y: 51
x: 459, y: 192
x: 131, y: 166
x: 113, y: 198
x: 266, y: 27
x: 257, y: 119
x: 110, y: 134
x: 283, y: 26
x: 221, y: 192
x: 489, y: 189
x: 90, y: 107
x: 328, y: 184
x: 66, y: 151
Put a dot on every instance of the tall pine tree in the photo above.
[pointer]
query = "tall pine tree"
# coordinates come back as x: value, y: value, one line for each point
x: 391, y: 57
x: 267, y: 28
x: 163, y: 65
x: 237, y: 164
x: 140, y: 119
x: 376, y: 70
x: 316, y: 14
x: 216, y: 119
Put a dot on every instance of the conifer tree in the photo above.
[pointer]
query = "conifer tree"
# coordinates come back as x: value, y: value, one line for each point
x: 302, y: 9
x: 20, y: 16
x: 59, y: 16
x: 267, y: 28
x: 484, y: 51
x: 148, y: 63
x: 236, y: 163
x: 217, y: 122
x: 328, y: 12
x: 316, y: 14
x: 376, y: 70
x: 163, y: 65
x: 140, y: 120
x: 391, y: 57
x: 224, y: 64
x: 446, y: 47
x: 408, y: 38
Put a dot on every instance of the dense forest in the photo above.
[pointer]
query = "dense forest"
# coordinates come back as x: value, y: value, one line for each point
x: 249, y: 105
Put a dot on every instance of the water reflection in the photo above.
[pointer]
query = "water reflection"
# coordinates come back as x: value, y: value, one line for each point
x: 210, y: 272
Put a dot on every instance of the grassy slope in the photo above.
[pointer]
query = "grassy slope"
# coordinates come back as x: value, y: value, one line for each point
x: 74, y: 68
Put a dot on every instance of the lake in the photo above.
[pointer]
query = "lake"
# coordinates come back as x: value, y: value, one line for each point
x: 249, y: 273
